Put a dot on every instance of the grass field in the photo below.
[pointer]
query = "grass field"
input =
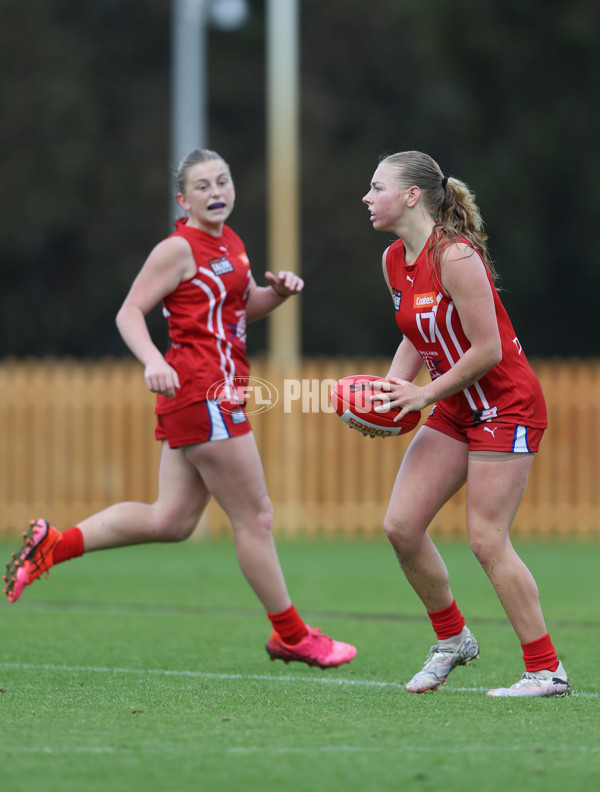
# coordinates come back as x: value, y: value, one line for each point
x: 144, y: 669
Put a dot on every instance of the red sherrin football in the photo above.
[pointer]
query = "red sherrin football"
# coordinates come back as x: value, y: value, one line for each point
x: 350, y: 399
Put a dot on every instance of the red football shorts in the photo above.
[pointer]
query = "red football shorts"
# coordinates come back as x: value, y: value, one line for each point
x: 201, y: 422
x: 488, y: 435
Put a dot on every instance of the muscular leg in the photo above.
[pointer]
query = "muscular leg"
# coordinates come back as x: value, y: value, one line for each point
x: 433, y: 469
x: 182, y: 497
x: 233, y: 473
x: 494, y: 492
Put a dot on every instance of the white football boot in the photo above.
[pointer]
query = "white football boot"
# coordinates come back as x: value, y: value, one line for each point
x: 538, y: 683
x: 441, y: 659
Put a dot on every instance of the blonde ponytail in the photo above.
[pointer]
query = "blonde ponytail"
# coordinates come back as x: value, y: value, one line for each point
x: 449, y: 201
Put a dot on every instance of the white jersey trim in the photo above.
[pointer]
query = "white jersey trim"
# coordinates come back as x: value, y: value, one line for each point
x: 215, y: 315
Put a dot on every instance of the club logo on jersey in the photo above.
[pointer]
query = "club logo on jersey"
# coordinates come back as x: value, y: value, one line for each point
x: 426, y: 300
x: 396, y: 296
x: 220, y: 265
x: 434, y: 367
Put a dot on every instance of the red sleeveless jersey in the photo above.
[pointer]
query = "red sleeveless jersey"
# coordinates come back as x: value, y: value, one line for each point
x: 426, y: 315
x: 206, y: 317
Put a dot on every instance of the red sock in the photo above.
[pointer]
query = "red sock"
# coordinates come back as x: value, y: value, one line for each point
x: 447, y: 622
x: 540, y: 654
x: 70, y: 545
x: 289, y: 625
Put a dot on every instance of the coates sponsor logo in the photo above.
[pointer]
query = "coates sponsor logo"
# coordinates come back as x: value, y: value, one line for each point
x: 424, y: 300
x: 220, y: 266
x: 258, y: 395
x: 366, y: 427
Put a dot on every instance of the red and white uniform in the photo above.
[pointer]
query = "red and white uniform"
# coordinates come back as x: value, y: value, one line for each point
x: 206, y: 318
x: 509, y: 392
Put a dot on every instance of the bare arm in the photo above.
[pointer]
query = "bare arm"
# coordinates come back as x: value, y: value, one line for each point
x: 406, y: 363
x: 465, y: 279
x: 166, y: 267
x: 263, y: 299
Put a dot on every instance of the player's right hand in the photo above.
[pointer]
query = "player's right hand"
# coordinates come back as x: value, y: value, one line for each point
x: 161, y: 378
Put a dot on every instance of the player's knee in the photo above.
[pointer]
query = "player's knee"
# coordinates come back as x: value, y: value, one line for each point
x: 264, y: 517
x: 258, y: 521
x: 176, y: 527
x: 398, y: 532
x: 484, y: 548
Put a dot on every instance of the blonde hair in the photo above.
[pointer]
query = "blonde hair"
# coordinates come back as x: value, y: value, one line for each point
x: 193, y: 158
x: 449, y: 201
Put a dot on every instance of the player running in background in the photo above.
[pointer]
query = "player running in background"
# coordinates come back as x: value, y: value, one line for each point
x: 487, y: 422
x: 202, y: 275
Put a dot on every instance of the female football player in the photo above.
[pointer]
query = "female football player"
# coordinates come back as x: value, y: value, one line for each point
x: 202, y: 275
x: 487, y: 420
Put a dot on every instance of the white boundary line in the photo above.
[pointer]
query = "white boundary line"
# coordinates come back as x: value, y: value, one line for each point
x: 278, y: 750
x: 322, y: 680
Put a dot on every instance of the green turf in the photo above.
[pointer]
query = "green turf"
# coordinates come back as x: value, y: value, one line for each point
x: 144, y: 669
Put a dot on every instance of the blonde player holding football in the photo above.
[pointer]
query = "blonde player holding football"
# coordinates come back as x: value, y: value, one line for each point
x: 486, y: 424
x: 202, y: 275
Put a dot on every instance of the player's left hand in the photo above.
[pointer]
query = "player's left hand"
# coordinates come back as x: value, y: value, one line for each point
x: 403, y: 395
x: 285, y: 283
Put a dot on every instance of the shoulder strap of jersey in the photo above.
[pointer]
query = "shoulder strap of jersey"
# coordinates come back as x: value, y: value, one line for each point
x: 394, y: 259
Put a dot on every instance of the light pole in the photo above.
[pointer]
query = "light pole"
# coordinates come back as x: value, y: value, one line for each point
x: 190, y: 20
x: 283, y: 166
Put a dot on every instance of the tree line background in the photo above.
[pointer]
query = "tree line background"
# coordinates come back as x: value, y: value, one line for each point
x: 503, y: 93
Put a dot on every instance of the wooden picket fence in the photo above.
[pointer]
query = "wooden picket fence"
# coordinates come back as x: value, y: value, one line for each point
x: 77, y: 436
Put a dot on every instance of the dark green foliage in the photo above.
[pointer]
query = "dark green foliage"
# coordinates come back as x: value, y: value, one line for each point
x: 503, y: 94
